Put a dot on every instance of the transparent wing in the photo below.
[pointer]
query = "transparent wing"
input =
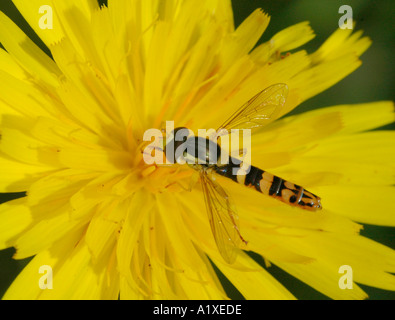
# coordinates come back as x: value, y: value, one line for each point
x: 222, y: 218
x: 259, y: 110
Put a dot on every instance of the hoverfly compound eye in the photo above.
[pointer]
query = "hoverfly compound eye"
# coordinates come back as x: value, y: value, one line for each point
x: 181, y: 134
x: 181, y: 130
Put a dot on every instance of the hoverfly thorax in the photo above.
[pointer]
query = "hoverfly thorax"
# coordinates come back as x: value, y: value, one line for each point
x: 202, y: 151
x: 183, y: 147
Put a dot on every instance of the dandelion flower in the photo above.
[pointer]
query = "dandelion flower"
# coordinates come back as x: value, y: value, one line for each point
x: 109, y: 225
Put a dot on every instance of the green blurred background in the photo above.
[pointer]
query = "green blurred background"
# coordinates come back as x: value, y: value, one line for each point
x: 373, y: 81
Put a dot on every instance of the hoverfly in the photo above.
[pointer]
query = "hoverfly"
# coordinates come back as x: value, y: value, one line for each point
x: 257, y: 112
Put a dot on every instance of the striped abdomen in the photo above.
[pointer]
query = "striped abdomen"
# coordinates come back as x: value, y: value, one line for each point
x: 272, y: 185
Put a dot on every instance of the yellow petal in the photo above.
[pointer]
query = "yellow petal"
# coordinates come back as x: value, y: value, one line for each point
x: 78, y: 278
x: 283, y: 41
x: 372, y: 205
x: 341, y: 42
x: 101, y: 233
x: 179, y: 242
x: 95, y: 118
x: 30, y: 11
x: 9, y: 65
x: 293, y: 37
x: 355, y: 117
x: 257, y: 284
x: 217, y: 95
x: 265, y: 242
x: 222, y: 11
x: 130, y: 233
x: 28, y: 55
x: 369, y: 260
x: 17, y: 176
x: 18, y: 97
x: 15, y: 217
x: 75, y: 17
x: 26, y: 285
x: 245, y: 37
x: 46, y: 231
x: 286, y: 135
x: 17, y: 143
x: 361, y: 160
x: 323, y: 278
x: 58, y: 186
x: 375, y: 147
x: 109, y: 58
x: 324, y: 75
x: 105, y: 160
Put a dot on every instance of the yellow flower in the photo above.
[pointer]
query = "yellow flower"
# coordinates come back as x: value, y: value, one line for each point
x: 110, y: 225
